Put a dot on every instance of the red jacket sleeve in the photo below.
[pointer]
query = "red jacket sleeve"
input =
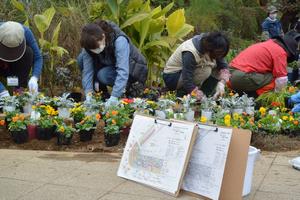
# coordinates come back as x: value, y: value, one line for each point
x: 279, y: 65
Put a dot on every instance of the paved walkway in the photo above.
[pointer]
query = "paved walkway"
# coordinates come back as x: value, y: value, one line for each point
x: 44, y: 175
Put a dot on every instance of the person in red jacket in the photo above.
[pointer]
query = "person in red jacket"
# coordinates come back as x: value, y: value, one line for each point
x: 262, y: 67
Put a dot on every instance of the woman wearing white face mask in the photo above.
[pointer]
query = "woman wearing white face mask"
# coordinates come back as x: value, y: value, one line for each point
x: 271, y: 26
x: 108, y: 58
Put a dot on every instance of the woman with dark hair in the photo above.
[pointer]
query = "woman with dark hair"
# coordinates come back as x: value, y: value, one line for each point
x: 198, y: 66
x: 108, y: 58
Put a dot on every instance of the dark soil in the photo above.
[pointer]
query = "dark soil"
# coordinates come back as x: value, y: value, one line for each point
x: 265, y: 142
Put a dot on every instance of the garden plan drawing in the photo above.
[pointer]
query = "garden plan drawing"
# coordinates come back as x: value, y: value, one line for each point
x: 156, y: 153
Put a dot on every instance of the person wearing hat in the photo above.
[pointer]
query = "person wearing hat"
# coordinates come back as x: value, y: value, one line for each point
x: 271, y: 26
x: 19, y: 51
x: 262, y: 67
x: 198, y: 66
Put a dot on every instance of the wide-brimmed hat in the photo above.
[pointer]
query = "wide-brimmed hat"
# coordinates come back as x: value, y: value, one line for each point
x: 12, y: 41
x: 272, y: 9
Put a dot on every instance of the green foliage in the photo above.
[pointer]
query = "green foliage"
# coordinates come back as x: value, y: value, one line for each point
x: 86, y: 124
x: 45, y: 122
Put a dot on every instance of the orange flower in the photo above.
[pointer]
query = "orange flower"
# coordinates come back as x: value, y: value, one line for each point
x: 296, y: 122
x: 2, y: 122
x: 98, y: 116
x: 82, y: 122
x: 15, y: 119
x: 231, y: 93
x: 292, y: 89
x: 113, y: 121
x: 22, y: 117
x: 114, y: 112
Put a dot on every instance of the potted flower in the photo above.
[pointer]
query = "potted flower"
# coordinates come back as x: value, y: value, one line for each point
x: 45, y: 128
x: 78, y: 112
x: 151, y: 94
x: 64, y: 104
x: 248, y: 103
x: 26, y: 100
x: 92, y: 106
x: 9, y: 103
x: 165, y: 109
x: 9, y: 116
x: 207, y: 106
x: 187, y: 102
x: 64, y: 134
x: 225, y: 105
x: 111, y: 134
x: 236, y: 104
x: 86, y: 127
x: 2, y: 123
x: 18, y: 129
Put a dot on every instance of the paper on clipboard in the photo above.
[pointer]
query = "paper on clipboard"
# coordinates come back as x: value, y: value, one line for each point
x: 156, y: 154
x: 207, y: 164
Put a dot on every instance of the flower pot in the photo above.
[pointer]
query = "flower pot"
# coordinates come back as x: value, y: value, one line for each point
x: 160, y: 114
x: 32, y: 131
x: 64, y: 112
x: 63, y: 140
x: 19, y: 137
x: 111, y: 139
x: 44, y: 133
x: 9, y: 108
x: 125, y: 130
x: 86, y: 135
x: 76, y: 96
x: 250, y: 110
x: 238, y: 111
x: 189, y: 116
x: 27, y: 108
x: 207, y: 114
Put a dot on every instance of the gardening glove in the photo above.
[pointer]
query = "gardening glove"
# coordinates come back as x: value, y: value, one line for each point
x: 198, y: 94
x: 224, y: 74
x: 112, y: 101
x: 220, y: 90
x: 33, y: 85
x: 280, y: 83
x: 96, y: 86
x: 4, y: 93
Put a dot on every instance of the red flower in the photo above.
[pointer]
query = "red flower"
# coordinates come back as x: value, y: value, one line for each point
x: 126, y: 100
x: 276, y: 104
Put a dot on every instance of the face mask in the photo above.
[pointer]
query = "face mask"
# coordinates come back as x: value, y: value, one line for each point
x: 273, y: 16
x: 98, y: 50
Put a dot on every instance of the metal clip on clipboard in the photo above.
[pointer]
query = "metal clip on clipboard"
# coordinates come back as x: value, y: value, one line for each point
x: 216, y: 128
x: 162, y: 122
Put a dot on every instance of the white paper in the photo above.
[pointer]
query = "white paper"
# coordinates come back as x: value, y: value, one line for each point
x: 207, y: 164
x: 155, y: 153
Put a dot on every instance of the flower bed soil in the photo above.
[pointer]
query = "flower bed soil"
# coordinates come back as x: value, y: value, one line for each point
x: 265, y: 142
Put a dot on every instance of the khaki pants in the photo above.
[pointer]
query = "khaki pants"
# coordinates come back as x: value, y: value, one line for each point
x: 248, y: 82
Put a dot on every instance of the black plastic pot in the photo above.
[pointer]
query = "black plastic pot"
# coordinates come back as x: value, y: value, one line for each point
x: 111, y: 139
x: 76, y: 96
x: 86, y: 135
x: 63, y: 140
x: 44, y: 133
x: 19, y: 137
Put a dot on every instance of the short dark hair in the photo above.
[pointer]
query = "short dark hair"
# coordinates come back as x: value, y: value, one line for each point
x: 90, y: 35
x: 215, y: 40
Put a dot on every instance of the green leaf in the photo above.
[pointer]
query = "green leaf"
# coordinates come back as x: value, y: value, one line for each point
x: 44, y: 44
x: 49, y: 14
x: 156, y: 43
x: 71, y: 62
x: 134, y: 4
x: 156, y: 25
x: 175, y: 22
x: 18, y: 5
x: 164, y: 10
x: 156, y: 10
x: 40, y: 22
x: 60, y: 51
x: 55, y: 34
x: 184, y: 31
x: 114, y: 7
x: 144, y: 31
x: 135, y: 18
x: 26, y: 23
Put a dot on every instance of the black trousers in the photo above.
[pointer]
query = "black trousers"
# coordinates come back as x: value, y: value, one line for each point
x: 21, y: 68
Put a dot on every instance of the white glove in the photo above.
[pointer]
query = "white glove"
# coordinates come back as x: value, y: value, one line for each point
x: 96, y: 86
x: 198, y: 94
x: 220, y: 90
x: 33, y: 85
x: 5, y: 93
x: 280, y: 83
x: 112, y: 101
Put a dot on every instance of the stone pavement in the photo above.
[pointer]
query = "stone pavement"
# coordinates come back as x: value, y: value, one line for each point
x: 44, y: 175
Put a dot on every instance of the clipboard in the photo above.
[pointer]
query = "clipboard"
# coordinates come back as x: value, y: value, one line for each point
x: 145, y: 165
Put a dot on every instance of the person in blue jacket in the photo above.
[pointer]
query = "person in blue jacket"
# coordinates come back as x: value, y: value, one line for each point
x: 108, y: 58
x: 19, y: 55
x: 271, y: 26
